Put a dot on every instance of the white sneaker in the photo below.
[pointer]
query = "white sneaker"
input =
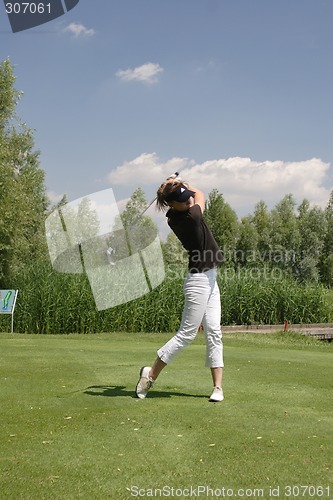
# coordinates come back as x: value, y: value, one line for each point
x: 217, y: 395
x: 145, y: 382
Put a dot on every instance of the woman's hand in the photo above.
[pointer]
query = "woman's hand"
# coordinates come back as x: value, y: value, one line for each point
x: 174, y: 178
x: 198, y: 197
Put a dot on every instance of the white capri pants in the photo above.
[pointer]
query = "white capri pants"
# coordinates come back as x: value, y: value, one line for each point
x: 202, y: 305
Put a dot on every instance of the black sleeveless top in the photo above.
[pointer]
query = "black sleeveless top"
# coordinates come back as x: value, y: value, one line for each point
x: 196, y: 238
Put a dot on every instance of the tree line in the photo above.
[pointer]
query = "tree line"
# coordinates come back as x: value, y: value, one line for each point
x: 297, y: 240
x: 23, y: 202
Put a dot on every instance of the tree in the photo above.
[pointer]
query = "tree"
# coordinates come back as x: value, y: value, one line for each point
x: 261, y: 221
x: 140, y: 230
x: 173, y: 252
x: 326, y: 260
x: 22, y: 192
x: 285, y: 237
x: 312, y: 226
x: 247, y: 243
x: 223, y: 223
x: 9, y: 96
x: 73, y: 236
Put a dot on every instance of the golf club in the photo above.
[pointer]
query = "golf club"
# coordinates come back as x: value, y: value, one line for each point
x: 174, y: 176
x: 110, y: 252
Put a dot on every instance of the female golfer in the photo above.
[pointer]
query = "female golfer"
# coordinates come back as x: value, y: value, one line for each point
x: 185, y: 205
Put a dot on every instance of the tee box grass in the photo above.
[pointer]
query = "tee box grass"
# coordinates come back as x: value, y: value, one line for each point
x: 72, y: 428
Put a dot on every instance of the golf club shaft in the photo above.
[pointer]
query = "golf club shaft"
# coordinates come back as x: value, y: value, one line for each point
x: 150, y: 204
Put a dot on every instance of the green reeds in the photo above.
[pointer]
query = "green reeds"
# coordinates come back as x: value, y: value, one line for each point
x: 52, y: 302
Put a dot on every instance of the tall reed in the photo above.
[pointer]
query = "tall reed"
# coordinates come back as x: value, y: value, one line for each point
x: 52, y: 302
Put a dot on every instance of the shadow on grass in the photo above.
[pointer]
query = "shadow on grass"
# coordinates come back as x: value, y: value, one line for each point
x: 118, y: 390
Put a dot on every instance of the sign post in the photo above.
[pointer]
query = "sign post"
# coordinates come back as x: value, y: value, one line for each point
x: 7, y: 303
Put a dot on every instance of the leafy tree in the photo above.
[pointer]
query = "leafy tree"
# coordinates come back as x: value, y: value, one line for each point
x: 247, y: 243
x: 73, y: 236
x: 326, y: 260
x: 223, y: 223
x: 173, y: 252
x: 22, y: 192
x: 85, y: 222
x: 140, y: 230
x: 285, y: 236
x: 312, y: 226
x: 9, y: 96
x: 326, y: 269
x: 134, y: 207
x: 262, y: 223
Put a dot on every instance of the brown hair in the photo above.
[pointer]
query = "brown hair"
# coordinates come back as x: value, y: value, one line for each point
x: 163, y: 191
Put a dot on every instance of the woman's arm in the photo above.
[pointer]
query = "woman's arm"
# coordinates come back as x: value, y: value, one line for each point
x: 199, y: 197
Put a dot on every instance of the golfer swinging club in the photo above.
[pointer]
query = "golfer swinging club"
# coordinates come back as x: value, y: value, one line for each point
x: 185, y: 206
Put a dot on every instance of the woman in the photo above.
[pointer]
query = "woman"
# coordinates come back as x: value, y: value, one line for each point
x: 185, y: 206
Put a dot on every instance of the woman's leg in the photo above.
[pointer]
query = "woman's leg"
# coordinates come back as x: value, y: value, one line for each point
x: 202, y: 305
x: 212, y: 328
x: 156, y: 369
x: 217, y: 376
x: 197, y: 290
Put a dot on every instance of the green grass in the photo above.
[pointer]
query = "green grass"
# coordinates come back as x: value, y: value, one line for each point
x: 71, y: 428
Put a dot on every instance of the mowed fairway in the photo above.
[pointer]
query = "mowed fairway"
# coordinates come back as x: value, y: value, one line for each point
x: 72, y: 428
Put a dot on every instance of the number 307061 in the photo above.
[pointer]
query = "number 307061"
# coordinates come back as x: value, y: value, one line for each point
x: 28, y: 8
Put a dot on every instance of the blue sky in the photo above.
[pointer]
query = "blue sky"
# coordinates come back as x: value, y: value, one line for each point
x: 237, y: 94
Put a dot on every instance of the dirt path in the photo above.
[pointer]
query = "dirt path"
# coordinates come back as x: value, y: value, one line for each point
x: 319, y: 330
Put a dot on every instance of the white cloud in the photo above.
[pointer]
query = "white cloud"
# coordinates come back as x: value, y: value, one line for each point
x: 147, y: 73
x: 242, y: 181
x: 79, y: 30
x: 146, y: 169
